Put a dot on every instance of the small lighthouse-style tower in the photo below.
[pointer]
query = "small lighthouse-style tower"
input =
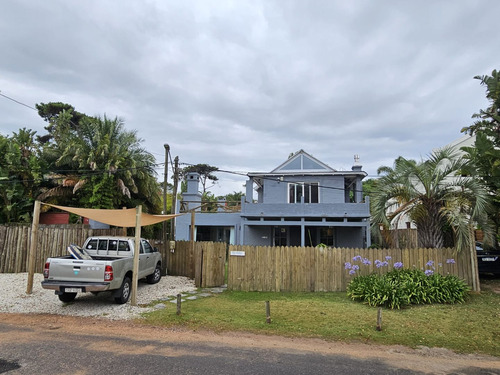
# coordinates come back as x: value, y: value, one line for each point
x: 192, y: 196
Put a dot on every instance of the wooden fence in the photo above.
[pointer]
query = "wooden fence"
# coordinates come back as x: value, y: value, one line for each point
x: 250, y: 268
x: 314, y: 269
x: 205, y: 263
x: 52, y: 241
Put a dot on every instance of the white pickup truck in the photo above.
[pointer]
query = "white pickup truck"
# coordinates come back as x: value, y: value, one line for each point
x: 102, y: 264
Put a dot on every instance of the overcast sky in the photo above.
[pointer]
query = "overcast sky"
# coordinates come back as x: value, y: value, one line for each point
x: 242, y: 84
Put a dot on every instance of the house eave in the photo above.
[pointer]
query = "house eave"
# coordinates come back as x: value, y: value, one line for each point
x: 307, y: 173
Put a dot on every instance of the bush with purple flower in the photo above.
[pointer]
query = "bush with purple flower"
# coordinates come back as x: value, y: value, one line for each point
x: 398, y: 265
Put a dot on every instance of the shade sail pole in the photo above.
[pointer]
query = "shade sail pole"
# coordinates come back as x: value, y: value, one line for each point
x: 137, y: 247
x: 34, y: 236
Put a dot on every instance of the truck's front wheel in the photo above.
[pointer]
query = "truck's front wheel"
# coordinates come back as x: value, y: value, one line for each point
x: 67, y: 297
x: 124, y: 291
x: 155, y: 276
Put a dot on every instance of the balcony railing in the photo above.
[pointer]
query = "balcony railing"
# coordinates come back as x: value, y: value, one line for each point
x: 209, y: 206
x: 339, y: 210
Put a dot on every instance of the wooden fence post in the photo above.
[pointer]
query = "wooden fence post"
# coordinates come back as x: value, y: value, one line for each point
x: 476, y: 285
x: 179, y: 304
x: 31, y: 261
x: 135, y: 274
x: 379, y: 319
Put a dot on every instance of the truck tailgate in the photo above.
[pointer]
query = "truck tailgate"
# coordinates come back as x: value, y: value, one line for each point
x: 62, y: 269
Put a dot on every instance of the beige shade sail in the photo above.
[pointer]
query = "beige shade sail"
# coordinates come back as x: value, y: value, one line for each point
x: 118, y: 218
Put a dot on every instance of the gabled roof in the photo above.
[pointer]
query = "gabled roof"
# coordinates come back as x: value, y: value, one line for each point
x: 302, y: 162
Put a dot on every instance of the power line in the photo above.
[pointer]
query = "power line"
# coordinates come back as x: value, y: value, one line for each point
x: 17, y: 101
x: 77, y: 174
x: 276, y: 179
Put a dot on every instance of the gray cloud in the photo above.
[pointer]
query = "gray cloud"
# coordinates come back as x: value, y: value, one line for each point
x: 242, y: 85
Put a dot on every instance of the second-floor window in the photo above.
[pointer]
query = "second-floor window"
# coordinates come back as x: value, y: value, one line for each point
x: 309, y: 190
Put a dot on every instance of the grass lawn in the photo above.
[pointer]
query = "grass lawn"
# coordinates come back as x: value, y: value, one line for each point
x: 472, y: 327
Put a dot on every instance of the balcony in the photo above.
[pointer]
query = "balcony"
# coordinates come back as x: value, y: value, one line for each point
x: 311, y: 210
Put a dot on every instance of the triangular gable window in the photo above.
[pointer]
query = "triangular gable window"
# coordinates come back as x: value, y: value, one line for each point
x: 294, y: 164
x: 302, y: 162
x: 308, y: 163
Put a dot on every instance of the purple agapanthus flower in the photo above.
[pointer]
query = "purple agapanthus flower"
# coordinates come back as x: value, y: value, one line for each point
x: 357, y: 258
x: 355, y: 267
x: 398, y: 265
x: 429, y: 272
x: 450, y: 261
x: 347, y: 265
x: 366, y: 261
x: 388, y: 257
x: 430, y: 263
x: 352, y: 272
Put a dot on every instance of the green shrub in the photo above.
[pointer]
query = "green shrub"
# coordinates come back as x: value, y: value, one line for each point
x: 402, y: 287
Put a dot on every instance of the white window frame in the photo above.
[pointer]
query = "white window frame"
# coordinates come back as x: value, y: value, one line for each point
x: 302, y: 185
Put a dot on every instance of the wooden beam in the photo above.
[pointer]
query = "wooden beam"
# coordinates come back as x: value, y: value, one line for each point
x: 137, y: 247
x: 34, y: 236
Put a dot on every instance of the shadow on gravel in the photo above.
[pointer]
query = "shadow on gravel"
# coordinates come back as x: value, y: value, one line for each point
x: 7, y: 366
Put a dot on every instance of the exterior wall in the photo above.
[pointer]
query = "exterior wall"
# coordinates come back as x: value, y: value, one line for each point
x: 335, y: 194
x: 276, y: 191
x: 258, y: 236
x: 183, y: 223
x: 350, y: 237
x: 54, y: 218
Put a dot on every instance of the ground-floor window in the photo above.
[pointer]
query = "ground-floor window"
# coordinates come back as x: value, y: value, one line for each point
x: 327, y: 236
x: 215, y: 234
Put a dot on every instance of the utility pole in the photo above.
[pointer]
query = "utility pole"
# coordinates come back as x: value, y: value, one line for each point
x: 164, y: 237
x: 165, y: 179
x: 174, y: 197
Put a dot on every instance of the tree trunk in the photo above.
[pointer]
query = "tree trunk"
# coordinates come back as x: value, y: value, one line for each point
x: 430, y: 231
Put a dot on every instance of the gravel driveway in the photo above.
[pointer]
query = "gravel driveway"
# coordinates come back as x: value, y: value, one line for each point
x: 13, y: 298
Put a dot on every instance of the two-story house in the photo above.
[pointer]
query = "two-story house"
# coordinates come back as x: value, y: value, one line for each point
x: 302, y: 202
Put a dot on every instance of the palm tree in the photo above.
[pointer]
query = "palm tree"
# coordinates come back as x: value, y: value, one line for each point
x: 105, y: 166
x: 432, y: 194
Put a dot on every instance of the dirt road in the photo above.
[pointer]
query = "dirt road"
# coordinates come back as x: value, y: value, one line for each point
x: 126, y: 338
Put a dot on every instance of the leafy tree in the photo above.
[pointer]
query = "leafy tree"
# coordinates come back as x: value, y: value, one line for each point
x: 233, y: 199
x: 484, y: 157
x: 433, y: 195
x: 205, y: 171
x: 488, y: 120
x: 57, y: 115
x: 209, y: 201
x: 369, y: 187
x: 20, y: 175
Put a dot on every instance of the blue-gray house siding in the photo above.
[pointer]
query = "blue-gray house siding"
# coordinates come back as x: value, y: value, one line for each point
x: 302, y: 202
